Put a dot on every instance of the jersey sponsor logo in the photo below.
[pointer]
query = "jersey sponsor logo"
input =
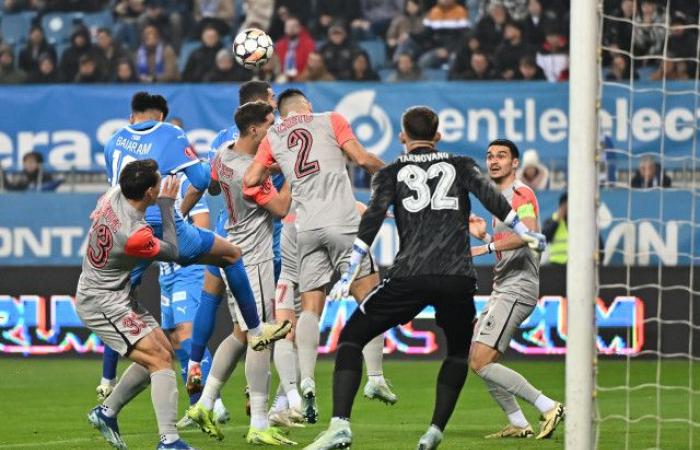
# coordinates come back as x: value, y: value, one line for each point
x: 370, y: 121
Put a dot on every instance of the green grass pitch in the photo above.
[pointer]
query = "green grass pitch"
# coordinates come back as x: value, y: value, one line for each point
x: 43, y: 405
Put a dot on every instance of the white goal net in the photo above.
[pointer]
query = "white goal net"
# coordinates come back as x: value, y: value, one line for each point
x: 648, y: 366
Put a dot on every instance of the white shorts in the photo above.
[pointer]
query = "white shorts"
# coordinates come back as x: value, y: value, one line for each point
x: 325, y: 251
x: 118, y: 320
x: 262, y: 281
x: 499, y: 321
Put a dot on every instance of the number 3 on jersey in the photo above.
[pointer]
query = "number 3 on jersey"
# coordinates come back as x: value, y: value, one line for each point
x: 302, y: 138
x: 417, y: 180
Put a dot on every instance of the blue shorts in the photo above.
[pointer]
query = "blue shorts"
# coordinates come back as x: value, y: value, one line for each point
x: 221, y: 223
x: 180, y: 292
x: 192, y: 243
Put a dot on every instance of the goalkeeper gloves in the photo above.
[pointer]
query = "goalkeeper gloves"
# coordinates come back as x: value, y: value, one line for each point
x: 341, y: 289
x: 534, y: 240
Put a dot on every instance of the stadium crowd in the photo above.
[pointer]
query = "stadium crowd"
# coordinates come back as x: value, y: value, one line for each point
x: 127, y: 41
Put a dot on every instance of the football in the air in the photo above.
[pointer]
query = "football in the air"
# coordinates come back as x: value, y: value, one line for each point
x: 252, y: 48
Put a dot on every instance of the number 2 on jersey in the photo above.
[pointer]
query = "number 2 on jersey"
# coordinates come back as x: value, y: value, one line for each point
x: 417, y: 180
x: 302, y: 138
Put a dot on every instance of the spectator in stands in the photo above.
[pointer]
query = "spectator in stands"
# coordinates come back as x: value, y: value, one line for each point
x: 528, y: 70
x: 126, y: 14
x: 362, y: 69
x: 315, y: 69
x: 112, y: 51
x: 219, y: 13
x: 47, y: 71
x: 225, y: 69
x: 80, y: 45
x: 88, y: 71
x: 177, y: 121
x: 682, y: 42
x: 557, y: 234
x: 169, y: 23
x: 650, y: 30
x: 36, y: 45
x: 489, y: 30
x: 283, y: 10
x: 203, y: 58
x: 671, y: 70
x: 445, y: 26
x: 271, y: 71
x: 338, y: 51
x: 156, y: 61
x: 553, y: 57
x: 71, y: 5
x: 376, y: 17
x: 533, y: 173
x: 620, y: 69
x: 618, y: 33
x: 402, y: 27
x: 8, y: 73
x: 332, y: 11
x: 650, y: 175
x: 294, y: 48
x: 406, y: 70
x: 461, y: 62
x: 535, y: 23
x: 508, y: 54
x: 32, y: 177
x: 125, y: 72
x: 479, y: 69
x: 258, y: 14
x: 517, y: 9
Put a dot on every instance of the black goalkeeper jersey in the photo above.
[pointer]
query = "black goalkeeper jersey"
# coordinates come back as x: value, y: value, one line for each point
x: 429, y: 191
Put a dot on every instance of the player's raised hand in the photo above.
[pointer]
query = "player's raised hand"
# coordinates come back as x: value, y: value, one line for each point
x: 477, y: 226
x: 169, y: 187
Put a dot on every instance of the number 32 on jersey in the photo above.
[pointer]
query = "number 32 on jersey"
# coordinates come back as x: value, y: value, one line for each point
x: 417, y: 178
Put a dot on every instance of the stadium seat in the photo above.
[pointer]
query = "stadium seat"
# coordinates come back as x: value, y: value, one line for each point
x: 185, y: 52
x: 384, y: 74
x: 645, y: 72
x: 59, y: 26
x: 98, y: 20
x: 15, y: 27
x: 376, y: 51
x: 435, y: 74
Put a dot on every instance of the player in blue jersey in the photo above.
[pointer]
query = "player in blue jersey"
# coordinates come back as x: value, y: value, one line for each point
x: 205, y: 318
x: 148, y: 137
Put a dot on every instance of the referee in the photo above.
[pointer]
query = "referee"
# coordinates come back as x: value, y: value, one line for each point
x: 429, y: 191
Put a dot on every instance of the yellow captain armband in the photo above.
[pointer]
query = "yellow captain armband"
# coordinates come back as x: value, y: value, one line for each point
x: 526, y: 210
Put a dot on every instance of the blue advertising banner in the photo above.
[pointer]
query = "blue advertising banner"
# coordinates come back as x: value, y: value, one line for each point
x: 70, y: 125
x: 639, y: 228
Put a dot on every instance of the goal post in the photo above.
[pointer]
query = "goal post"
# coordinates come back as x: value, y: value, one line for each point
x: 583, y: 236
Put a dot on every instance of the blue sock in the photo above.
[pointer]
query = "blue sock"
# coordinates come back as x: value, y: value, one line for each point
x: 206, y: 367
x: 109, y: 363
x: 203, y: 325
x: 183, y: 355
x: 240, y: 287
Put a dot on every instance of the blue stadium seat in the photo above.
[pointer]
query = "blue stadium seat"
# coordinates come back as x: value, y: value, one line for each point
x: 59, y: 26
x: 376, y: 51
x: 645, y: 72
x: 385, y: 73
x: 435, y: 74
x: 98, y: 20
x: 185, y: 52
x: 15, y: 27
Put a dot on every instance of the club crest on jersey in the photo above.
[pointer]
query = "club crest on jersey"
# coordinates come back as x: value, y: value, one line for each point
x: 190, y: 152
x: 490, y: 322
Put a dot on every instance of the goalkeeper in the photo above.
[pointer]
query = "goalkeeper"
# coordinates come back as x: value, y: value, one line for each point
x: 515, y: 292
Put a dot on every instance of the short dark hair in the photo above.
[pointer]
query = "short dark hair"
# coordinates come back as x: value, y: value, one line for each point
x: 38, y: 157
x: 251, y: 113
x: 143, y: 101
x: 563, y: 198
x: 288, y: 94
x: 252, y: 91
x: 420, y: 123
x: 137, y: 176
x: 514, y: 152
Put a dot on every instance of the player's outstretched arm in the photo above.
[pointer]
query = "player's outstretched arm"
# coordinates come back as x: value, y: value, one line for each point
x: 199, y: 176
x: 255, y: 175
x: 360, y: 156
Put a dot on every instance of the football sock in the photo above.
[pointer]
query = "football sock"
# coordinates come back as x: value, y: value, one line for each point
x: 346, y: 378
x: 544, y: 403
x: 286, y: 364
x: 517, y: 419
x: 203, y: 324
x: 225, y: 360
x: 211, y: 392
x: 257, y: 374
x: 307, y: 339
x: 505, y: 399
x: 239, y: 285
x: 183, y: 356
x: 450, y: 381
x: 511, y: 381
x: 373, y: 354
x: 109, y: 365
x: 164, y: 398
x: 134, y: 380
x: 280, y: 403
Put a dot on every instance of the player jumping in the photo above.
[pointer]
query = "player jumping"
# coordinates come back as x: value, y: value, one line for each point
x: 312, y: 151
x: 514, y: 296
x: 429, y: 192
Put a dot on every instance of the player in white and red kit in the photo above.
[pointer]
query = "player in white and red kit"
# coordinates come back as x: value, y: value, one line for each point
x: 514, y: 296
x: 119, y: 240
x: 312, y: 150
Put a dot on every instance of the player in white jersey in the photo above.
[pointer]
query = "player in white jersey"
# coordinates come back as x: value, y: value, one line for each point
x: 119, y: 240
x: 514, y: 296
x: 251, y: 212
x: 312, y: 151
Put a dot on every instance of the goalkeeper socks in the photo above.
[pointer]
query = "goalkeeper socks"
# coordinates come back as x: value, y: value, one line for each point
x: 450, y: 382
x: 203, y: 325
x: 239, y: 285
x: 346, y: 378
x: 307, y: 339
x: 109, y: 365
